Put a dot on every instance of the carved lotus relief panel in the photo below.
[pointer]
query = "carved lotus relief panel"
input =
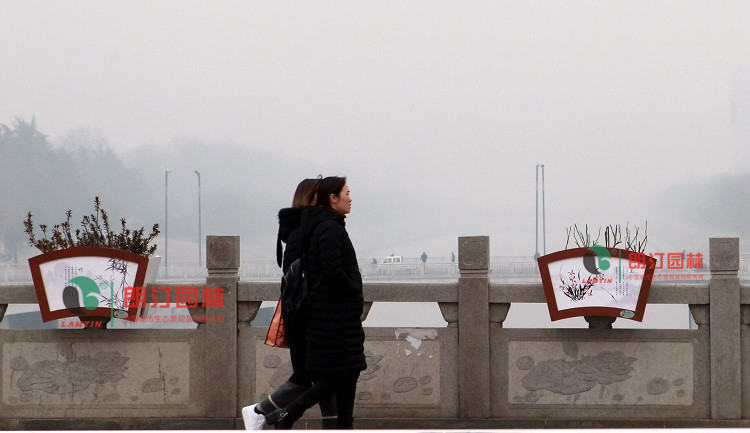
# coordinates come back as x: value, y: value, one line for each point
x: 403, y: 372
x: 600, y: 373
x: 95, y: 374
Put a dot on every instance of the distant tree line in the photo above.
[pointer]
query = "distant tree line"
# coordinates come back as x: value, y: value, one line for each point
x: 47, y: 180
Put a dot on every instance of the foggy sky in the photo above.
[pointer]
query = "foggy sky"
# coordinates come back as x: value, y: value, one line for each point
x: 437, y: 111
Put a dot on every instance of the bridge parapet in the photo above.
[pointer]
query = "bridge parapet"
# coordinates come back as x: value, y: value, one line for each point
x: 471, y: 370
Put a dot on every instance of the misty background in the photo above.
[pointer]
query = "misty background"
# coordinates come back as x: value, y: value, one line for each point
x: 438, y: 113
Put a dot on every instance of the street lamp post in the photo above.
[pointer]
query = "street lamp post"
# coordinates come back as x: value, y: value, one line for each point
x: 544, y: 224
x: 166, y: 228
x: 536, y: 217
x: 200, y: 253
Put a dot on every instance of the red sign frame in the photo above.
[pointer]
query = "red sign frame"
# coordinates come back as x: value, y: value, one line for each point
x: 36, y: 262
x: 556, y: 313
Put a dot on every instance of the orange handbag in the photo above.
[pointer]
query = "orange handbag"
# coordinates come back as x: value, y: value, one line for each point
x: 275, y: 336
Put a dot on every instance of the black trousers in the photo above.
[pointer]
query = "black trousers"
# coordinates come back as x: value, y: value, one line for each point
x: 295, y: 332
x: 343, y: 386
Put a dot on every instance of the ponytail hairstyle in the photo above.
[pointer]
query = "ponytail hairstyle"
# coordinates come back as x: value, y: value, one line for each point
x: 330, y: 185
x: 305, y: 194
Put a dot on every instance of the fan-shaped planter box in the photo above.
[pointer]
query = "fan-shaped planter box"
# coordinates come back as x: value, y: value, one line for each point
x: 596, y: 281
x: 90, y: 282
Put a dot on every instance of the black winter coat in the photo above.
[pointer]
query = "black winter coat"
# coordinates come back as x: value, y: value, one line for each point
x: 335, y: 337
x: 294, y: 327
x: 289, y: 222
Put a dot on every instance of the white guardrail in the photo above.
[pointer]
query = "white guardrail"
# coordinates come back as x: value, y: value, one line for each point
x: 501, y: 267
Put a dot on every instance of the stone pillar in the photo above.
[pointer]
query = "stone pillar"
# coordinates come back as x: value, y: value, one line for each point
x: 365, y: 310
x: 599, y: 322
x: 473, y: 327
x: 745, y: 356
x: 220, y: 355
x: 724, y: 329
x: 449, y: 310
x: 498, y: 314
x: 701, y: 315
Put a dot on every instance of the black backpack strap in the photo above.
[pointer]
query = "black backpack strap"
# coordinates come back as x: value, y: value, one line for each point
x: 279, y: 250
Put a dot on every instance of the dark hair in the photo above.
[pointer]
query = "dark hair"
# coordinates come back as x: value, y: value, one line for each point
x: 305, y: 193
x: 329, y: 185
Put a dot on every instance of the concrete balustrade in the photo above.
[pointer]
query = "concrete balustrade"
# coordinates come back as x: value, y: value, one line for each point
x: 472, y: 373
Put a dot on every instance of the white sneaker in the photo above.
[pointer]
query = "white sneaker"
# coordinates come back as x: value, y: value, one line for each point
x: 253, y: 420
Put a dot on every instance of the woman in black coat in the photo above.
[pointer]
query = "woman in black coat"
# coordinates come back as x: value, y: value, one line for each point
x: 335, y: 337
x: 294, y: 326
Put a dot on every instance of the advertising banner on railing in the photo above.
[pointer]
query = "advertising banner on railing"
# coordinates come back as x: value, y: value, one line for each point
x: 87, y: 281
x: 596, y: 281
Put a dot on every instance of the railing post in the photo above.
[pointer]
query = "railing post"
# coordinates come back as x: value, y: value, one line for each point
x: 473, y: 327
x: 220, y: 367
x: 724, y: 329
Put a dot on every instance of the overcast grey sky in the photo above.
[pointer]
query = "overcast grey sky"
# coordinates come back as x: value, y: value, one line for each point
x: 451, y: 101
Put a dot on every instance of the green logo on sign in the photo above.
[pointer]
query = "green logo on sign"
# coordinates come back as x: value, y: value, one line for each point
x: 89, y: 290
x: 90, y: 293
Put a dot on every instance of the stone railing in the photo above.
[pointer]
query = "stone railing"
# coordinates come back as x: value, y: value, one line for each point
x: 470, y: 373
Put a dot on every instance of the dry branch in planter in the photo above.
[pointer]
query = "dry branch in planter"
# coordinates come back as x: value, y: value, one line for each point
x: 612, y: 237
x: 581, y: 238
x: 95, y: 231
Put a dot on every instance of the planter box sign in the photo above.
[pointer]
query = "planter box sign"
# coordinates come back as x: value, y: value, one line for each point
x: 596, y: 281
x: 89, y: 281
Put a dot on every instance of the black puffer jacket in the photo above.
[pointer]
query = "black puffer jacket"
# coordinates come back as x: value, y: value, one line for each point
x: 335, y: 338
x: 295, y: 326
x: 289, y: 222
